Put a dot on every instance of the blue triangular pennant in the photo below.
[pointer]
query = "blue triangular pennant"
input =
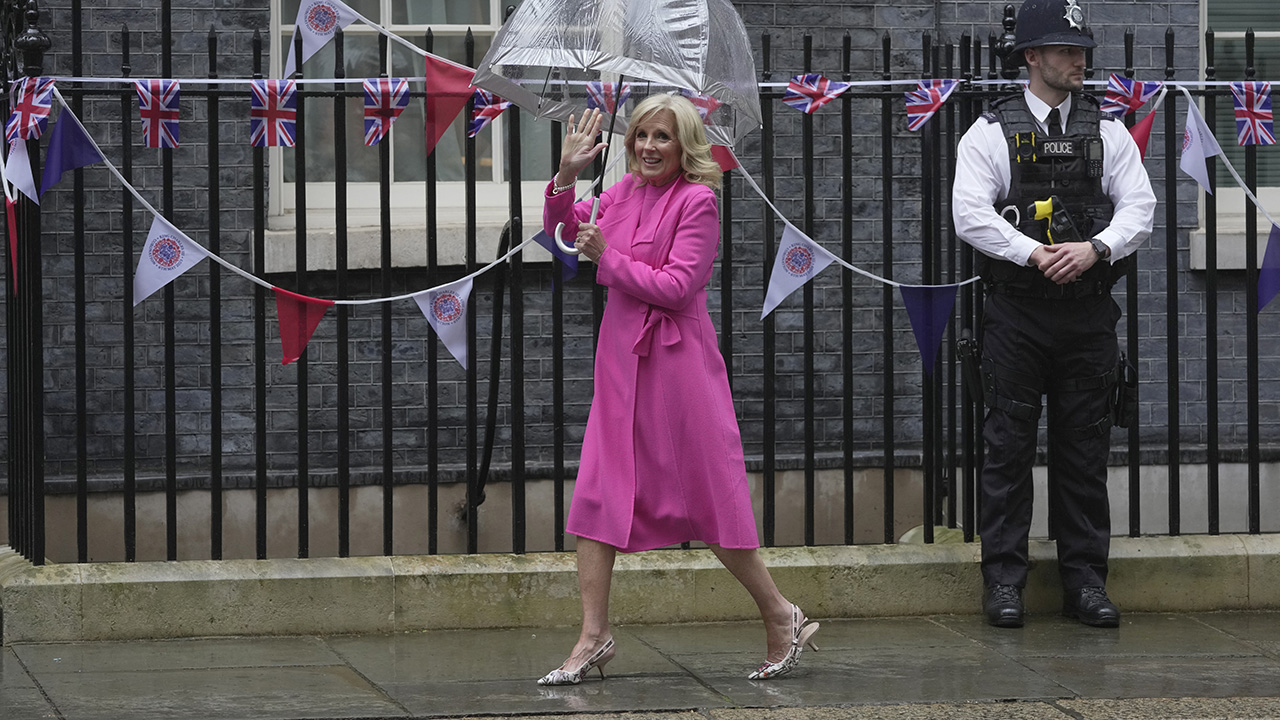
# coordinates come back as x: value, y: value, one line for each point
x: 929, y: 308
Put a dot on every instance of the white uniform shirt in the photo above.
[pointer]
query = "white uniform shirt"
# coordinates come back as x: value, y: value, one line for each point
x: 982, y: 180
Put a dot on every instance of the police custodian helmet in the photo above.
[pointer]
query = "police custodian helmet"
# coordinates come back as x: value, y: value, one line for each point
x: 1050, y: 22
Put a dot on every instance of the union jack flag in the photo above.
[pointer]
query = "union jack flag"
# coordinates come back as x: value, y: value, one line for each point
x: 926, y: 100
x: 704, y: 103
x: 487, y: 107
x: 606, y: 96
x: 273, y: 113
x: 1124, y: 95
x: 807, y: 93
x: 384, y: 100
x: 158, y: 106
x: 32, y: 101
x: 1255, y: 123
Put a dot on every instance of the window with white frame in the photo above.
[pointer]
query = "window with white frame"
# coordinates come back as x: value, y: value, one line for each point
x: 1229, y: 20
x: 448, y: 21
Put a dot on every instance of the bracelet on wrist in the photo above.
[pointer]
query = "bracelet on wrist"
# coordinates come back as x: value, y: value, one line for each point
x: 556, y: 189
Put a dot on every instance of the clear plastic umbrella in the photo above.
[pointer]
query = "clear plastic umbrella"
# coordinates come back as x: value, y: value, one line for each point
x: 546, y: 55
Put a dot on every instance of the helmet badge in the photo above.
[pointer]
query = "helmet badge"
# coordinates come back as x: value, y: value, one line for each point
x: 1074, y: 15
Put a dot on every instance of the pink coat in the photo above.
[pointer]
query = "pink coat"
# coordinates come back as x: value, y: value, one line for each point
x: 662, y: 458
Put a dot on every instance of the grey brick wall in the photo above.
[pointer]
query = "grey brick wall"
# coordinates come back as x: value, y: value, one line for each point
x: 235, y: 22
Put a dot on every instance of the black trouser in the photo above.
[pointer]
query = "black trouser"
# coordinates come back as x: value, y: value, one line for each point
x: 1061, y: 344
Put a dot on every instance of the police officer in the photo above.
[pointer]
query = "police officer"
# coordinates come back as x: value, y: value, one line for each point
x: 1049, y: 326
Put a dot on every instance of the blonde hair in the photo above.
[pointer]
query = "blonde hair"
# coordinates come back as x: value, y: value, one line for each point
x: 696, y: 163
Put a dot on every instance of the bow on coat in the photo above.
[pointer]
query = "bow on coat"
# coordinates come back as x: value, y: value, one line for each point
x: 657, y: 321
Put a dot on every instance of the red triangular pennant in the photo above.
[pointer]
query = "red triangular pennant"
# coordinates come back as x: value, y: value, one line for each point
x: 1141, y: 132
x: 299, y: 315
x: 725, y: 157
x: 448, y: 90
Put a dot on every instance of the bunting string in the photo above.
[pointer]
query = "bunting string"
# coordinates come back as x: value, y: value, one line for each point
x: 1137, y: 92
x: 66, y: 111
x: 750, y: 181
x: 1181, y: 86
x: 854, y: 268
x: 930, y: 306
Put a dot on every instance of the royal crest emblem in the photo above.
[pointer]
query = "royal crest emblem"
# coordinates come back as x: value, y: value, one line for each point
x: 798, y: 261
x: 322, y: 18
x: 447, y: 308
x: 1074, y: 15
x: 166, y: 253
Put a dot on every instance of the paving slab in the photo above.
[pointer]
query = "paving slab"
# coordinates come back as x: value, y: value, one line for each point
x: 1260, y: 629
x: 1161, y: 665
x: 197, y: 654
x: 251, y: 693
x: 519, y: 656
x: 891, y: 676
x: 1139, y: 634
x: 20, y: 697
x: 1177, y: 708
x: 932, y: 711
x: 749, y: 638
x: 1162, y: 676
x: 679, y: 715
x: 674, y: 692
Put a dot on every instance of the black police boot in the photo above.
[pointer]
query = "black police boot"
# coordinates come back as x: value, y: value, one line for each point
x: 1091, y: 606
x: 1003, y: 606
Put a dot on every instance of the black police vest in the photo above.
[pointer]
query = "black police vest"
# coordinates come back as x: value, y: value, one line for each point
x: 1068, y: 167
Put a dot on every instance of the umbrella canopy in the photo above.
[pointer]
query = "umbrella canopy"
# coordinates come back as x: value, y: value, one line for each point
x: 549, y: 52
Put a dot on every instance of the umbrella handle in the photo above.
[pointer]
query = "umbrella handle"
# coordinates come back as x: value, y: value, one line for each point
x: 566, y: 249
x: 569, y: 249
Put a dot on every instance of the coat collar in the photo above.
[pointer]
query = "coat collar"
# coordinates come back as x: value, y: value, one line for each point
x: 655, y: 214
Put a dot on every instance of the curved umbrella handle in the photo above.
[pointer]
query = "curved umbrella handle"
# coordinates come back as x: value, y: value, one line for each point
x: 570, y: 249
x: 566, y: 249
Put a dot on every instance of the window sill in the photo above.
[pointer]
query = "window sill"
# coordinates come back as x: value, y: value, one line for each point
x: 408, y: 238
x: 1231, y: 247
x: 1231, y: 205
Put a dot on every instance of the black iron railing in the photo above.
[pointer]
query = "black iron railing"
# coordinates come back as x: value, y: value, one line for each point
x: 372, y: 405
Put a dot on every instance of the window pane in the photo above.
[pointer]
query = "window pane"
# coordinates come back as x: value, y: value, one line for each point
x: 361, y: 60
x: 440, y: 12
x: 409, y: 159
x: 535, y: 148
x: 1240, y: 15
x: 367, y: 8
x: 1229, y: 61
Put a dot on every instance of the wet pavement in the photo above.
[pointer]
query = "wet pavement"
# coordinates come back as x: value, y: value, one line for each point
x: 1196, y: 665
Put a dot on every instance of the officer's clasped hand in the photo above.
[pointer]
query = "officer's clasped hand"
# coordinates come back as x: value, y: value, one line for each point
x: 1064, y: 262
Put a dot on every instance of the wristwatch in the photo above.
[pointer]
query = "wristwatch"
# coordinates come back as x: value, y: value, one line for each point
x: 1100, y: 248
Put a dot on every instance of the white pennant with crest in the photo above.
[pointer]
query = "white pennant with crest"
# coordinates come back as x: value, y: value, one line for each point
x: 167, y: 254
x: 446, y: 310
x: 1198, y: 144
x: 799, y: 259
x: 317, y: 21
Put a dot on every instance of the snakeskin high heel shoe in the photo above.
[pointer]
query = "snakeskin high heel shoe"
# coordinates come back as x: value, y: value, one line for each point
x: 562, y: 676
x: 801, y: 635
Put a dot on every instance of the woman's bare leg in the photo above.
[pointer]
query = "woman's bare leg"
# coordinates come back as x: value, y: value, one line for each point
x: 595, y: 575
x: 748, y: 567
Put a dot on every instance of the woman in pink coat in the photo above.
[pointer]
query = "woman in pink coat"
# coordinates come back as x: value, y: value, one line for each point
x: 662, y: 458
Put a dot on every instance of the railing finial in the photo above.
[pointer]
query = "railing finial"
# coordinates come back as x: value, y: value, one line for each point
x: 33, y: 42
x: 1010, y: 65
